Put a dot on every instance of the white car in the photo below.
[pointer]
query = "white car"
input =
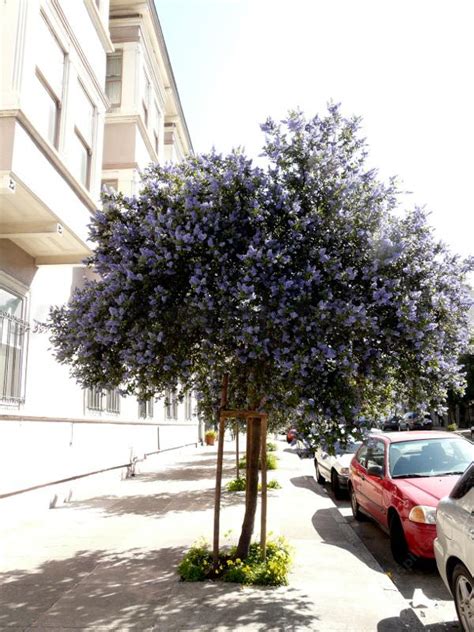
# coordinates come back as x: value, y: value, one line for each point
x: 454, y: 546
x: 334, y: 468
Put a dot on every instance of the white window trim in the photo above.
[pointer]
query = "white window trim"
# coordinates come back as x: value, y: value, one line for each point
x: 10, y: 284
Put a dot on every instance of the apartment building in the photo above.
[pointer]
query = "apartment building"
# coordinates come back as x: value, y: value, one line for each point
x: 87, y: 99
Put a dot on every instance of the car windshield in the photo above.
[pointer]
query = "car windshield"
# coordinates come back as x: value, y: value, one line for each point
x: 430, y: 457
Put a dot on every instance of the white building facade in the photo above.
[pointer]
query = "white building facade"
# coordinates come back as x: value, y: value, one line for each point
x: 87, y: 99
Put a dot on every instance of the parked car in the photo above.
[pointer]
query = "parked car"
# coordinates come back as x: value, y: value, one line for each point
x: 334, y: 468
x: 454, y: 546
x: 291, y: 435
x: 417, y: 421
x: 391, y: 423
x: 398, y: 479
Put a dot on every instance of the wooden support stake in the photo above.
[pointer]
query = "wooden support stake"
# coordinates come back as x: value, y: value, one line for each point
x: 220, y: 458
x: 263, y: 524
x: 237, y: 455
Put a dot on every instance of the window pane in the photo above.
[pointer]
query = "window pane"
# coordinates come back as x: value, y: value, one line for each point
x: 12, y: 344
x: 113, y: 90
x: 10, y: 303
x: 50, y: 57
x: 113, y: 401
x: 114, y: 66
x: 45, y: 111
x: 109, y: 184
x: 94, y: 398
x: 80, y: 160
x: 150, y: 407
x: 84, y: 117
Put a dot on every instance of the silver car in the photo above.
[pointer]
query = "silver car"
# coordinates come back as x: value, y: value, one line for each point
x: 334, y: 468
x: 454, y: 546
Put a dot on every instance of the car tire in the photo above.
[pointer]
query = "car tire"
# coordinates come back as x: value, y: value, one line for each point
x: 463, y: 586
x: 398, y: 544
x: 336, y: 488
x: 356, y: 512
x: 319, y: 478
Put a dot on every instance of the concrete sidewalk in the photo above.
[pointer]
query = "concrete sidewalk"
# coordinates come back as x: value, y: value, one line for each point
x: 109, y: 563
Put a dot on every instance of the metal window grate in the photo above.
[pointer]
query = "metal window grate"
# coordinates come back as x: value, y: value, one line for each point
x: 13, y: 332
x: 112, y: 401
x: 171, y: 404
x: 188, y: 406
x: 94, y: 398
x: 145, y: 408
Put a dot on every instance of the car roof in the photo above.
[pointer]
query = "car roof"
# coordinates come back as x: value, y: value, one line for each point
x: 413, y: 435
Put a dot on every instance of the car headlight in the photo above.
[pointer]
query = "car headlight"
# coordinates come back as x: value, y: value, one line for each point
x: 344, y: 471
x: 423, y: 514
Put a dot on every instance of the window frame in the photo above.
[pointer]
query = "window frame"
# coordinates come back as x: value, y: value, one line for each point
x: 112, y: 401
x: 171, y: 404
x: 22, y: 327
x: 102, y: 400
x: 109, y: 79
x: 80, y: 138
x: 146, y: 408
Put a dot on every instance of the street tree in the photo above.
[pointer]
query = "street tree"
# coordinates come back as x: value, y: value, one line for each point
x: 300, y: 279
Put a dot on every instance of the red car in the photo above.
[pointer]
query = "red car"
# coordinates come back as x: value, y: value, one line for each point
x: 398, y: 479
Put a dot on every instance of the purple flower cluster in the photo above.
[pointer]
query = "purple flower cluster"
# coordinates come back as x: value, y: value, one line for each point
x: 297, y: 279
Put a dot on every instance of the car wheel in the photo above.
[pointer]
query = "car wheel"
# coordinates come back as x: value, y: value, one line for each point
x: 319, y: 478
x: 463, y: 592
x: 356, y: 512
x: 336, y: 488
x: 398, y: 544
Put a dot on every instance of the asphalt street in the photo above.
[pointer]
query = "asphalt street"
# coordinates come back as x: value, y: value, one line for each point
x: 438, y: 612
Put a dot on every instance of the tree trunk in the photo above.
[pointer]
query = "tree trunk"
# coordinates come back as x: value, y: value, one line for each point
x: 254, y: 429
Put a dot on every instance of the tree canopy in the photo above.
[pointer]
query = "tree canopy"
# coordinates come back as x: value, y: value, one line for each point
x: 302, y: 279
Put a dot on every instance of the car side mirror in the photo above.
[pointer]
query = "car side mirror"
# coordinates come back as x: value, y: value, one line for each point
x: 375, y: 470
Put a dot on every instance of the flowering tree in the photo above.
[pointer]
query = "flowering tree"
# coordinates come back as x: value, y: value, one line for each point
x: 297, y: 279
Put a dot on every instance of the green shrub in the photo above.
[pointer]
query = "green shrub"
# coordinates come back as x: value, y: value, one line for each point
x: 197, y: 563
x: 273, y: 484
x: 272, y: 462
x: 271, y: 447
x: 238, y: 485
x: 273, y: 571
x: 452, y: 427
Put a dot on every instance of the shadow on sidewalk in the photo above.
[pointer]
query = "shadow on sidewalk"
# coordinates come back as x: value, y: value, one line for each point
x: 91, y: 589
x: 308, y: 482
x: 409, y: 621
x: 190, y: 473
x: 157, y: 504
x: 137, y: 590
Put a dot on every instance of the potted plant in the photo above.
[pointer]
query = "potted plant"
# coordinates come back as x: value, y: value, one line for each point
x: 210, y: 437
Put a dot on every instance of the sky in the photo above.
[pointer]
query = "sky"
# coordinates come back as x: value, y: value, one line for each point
x: 405, y: 66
